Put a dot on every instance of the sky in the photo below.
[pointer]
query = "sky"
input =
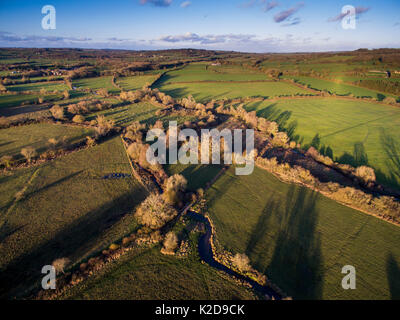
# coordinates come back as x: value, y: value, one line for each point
x: 239, y: 25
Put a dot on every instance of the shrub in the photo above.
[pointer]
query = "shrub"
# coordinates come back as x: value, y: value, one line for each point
x: 241, y: 261
x: 365, y: 173
x: 78, y: 118
x: 57, y: 112
x: 137, y: 151
x: 154, y: 212
x: 6, y: 161
x: 280, y: 139
x: 90, y: 142
x: 66, y: 94
x: 171, y: 242
x: 103, y: 92
x: 389, y: 100
x: 60, y: 264
x: 113, y: 247
x: 174, y: 187
x: 104, y: 126
x: 29, y: 153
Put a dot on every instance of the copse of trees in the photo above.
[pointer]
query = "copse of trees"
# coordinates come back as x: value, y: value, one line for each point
x: 154, y: 212
x: 174, y: 188
x: 104, y: 126
x: 57, y: 112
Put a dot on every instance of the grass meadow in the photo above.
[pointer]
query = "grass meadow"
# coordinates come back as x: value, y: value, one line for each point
x: 89, y: 212
x: 206, y: 91
x: 10, y: 103
x: 13, y: 139
x: 150, y: 275
x: 123, y: 116
x: 96, y: 84
x: 197, y: 176
x: 48, y: 86
x: 135, y: 82
x: 353, y: 132
x: 340, y: 88
x: 203, y: 72
x: 301, y: 240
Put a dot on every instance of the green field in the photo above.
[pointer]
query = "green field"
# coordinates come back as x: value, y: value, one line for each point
x: 203, y: 72
x: 89, y: 212
x: 136, y: 82
x: 206, y: 91
x: 96, y: 84
x: 143, y: 112
x: 150, y: 275
x: 48, y: 86
x: 13, y: 139
x: 340, y: 88
x: 357, y: 132
x: 8, y: 102
x: 301, y: 240
x: 197, y: 176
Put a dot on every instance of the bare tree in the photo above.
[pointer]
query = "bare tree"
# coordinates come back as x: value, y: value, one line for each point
x: 171, y: 242
x: 241, y: 261
x: 60, y: 264
x: 154, y: 212
x: 29, y: 153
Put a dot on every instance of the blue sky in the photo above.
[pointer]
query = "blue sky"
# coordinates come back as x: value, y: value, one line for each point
x: 241, y: 25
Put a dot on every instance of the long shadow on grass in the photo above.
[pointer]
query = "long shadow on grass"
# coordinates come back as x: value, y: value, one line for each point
x: 393, y: 272
x: 296, y: 264
x: 391, y: 148
x: 76, y: 240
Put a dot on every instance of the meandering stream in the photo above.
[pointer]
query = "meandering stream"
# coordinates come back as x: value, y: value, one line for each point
x: 206, y: 254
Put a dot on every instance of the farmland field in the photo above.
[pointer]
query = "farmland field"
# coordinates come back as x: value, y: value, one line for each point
x: 12, y: 140
x: 133, y: 278
x: 301, y: 240
x: 206, y: 91
x: 356, y: 132
x: 340, y: 88
x: 9, y: 102
x: 123, y: 116
x: 203, y: 72
x: 197, y: 176
x: 135, y: 82
x: 48, y: 86
x: 96, y: 84
x: 94, y: 212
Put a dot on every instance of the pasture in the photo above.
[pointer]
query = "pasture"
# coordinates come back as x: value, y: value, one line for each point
x: 301, y: 240
x: 352, y: 132
x: 37, y: 86
x: 197, y: 176
x: 89, y: 212
x: 205, y: 72
x: 135, y: 82
x: 144, y: 112
x: 96, y: 84
x: 13, y: 139
x: 9, y: 103
x: 150, y: 275
x: 206, y: 91
x: 341, y: 89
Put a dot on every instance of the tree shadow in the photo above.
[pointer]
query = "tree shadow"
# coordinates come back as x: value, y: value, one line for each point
x: 393, y: 273
x: 392, y: 150
x: 258, y: 232
x: 297, y: 259
x: 79, y: 239
x: 358, y: 158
